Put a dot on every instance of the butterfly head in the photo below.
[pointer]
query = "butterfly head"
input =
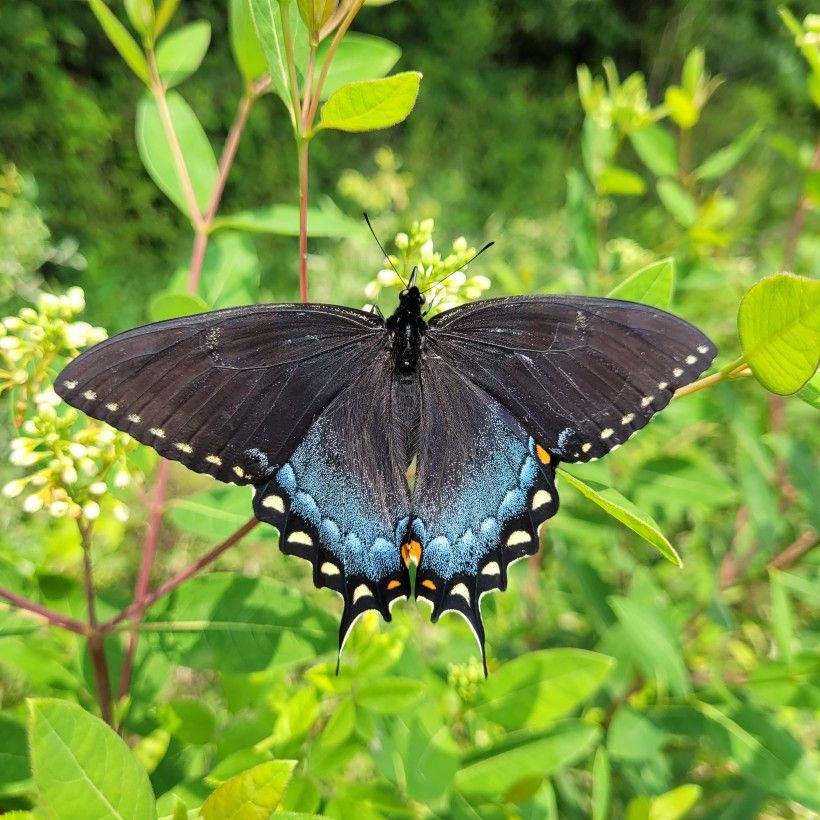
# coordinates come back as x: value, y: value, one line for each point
x: 411, y: 297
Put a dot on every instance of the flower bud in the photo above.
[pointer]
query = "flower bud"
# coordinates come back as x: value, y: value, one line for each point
x: 14, y: 488
x: 387, y: 277
x: 24, y: 458
x: 98, y: 488
x: 455, y: 280
x: 460, y: 245
x: 58, y: 508
x: 121, y: 512
x: 122, y: 478
x: 402, y: 241
x: 77, y: 450
x: 91, y: 510
x: 32, y: 503
x: 426, y: 226
x: 371, y: 290
x: 69, y: 475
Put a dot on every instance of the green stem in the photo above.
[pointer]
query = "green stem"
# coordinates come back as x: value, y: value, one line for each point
x: 731, y: 371
x: 293, y: 81
x: 303, y: 146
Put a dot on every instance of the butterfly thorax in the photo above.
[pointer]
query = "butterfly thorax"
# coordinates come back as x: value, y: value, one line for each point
x: 407, y: 328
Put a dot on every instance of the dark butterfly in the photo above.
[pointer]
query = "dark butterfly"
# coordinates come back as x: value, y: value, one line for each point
x: 322, y: 409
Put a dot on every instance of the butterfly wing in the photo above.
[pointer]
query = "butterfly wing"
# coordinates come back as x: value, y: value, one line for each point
x: 294, y: 399
x: 483, y: 488
x: 341, y: 499
x: 229, y: 392
x: 580, y: 374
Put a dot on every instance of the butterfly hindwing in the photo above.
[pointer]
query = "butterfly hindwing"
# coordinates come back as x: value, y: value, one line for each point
x: 341, y: 501
x: 483, y: 489
x: 581, y: 374
x: 229, y: 392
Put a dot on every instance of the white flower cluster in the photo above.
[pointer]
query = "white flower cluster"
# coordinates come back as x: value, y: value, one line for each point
x: 442, y: 280
x: 71, y: 466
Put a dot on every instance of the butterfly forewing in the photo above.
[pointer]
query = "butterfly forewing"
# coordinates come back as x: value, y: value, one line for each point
x: 230, y: 393
x: 580, y: 374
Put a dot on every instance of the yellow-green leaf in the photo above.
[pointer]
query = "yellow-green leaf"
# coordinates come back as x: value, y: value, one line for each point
x: 125, y: 44
x: 779, y: 326
x: 180, y: 53
x: 681, y: 107
x: 252, y: 795
x: 613, y: 503
x: 372, y: 104
x: 652, y: 285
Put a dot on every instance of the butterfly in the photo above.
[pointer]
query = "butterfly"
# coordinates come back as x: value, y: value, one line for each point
x: 322, y: 409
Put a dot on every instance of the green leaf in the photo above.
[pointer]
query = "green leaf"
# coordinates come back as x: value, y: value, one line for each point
x: 765, y: 753
x: 656, y: 149
x: 170, y: 305
x: 678, y: 202
x: 216, y: 513
x: 779, y: 326
x: 240, y: 624
x: 82, y: 768
x: 158, y: 159
x: 14, y: 767
x: 652, y: 285
x: 247, y: 53
x: 188, y: 719
x: 782, y: 619
x: 284, y: 221
x: 692, y: 76
x: 372, y: 104
x: 623, y: 510
x: 681, y: 107
x: 620, y: 181
x: 652, y: 643
x: 722, y: 161
x: 125, y: 44
x: 314, y: 14
x: 389, y: 695
x: 523, y: 756
x: 632, y: 736
x: 675, y: 804
x: 358, y: 57
x: 180, y: 53
x: 165, y: 13
x: 252, y: 795
x: 601, y: 785
x: 268, y: 22
x: 810, y: 392
x: 536, y: 689
x: 140, y: 14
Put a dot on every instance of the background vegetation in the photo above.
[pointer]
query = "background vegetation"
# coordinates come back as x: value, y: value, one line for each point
x: 668, y: 154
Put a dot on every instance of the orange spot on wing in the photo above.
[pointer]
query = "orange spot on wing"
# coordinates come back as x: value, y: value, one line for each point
x: 393, y: 584
x: 543, y: 456
x: 428, y: 583
x: 411, y: 552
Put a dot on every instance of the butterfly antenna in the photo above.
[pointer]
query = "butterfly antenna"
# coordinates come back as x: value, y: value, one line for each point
x: 471, y: 259
x: 386, y: 256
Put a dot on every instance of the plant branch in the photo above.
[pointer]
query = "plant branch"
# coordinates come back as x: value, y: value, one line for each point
x: 158, y: 90
x: 303, y: 147
x: 795, y: 551
x: 49, y: 615
x: 135, y: 610
x: 96, y: 646
x: 739, y: 368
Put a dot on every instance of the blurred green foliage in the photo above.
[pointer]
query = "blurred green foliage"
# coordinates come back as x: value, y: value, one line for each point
x: 667, y: 155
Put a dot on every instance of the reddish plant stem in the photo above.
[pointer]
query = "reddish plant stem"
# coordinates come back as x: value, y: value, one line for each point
x: 136, y: 609
x: 49, y: 615
x: 96, y: 645
x: 795, y: 551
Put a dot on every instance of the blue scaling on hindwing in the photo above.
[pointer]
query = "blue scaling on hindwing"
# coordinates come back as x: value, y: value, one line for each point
x: 463, y: 522
x: 351, y: 524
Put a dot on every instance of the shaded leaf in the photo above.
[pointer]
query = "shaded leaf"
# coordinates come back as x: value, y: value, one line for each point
x: 623, y: 510
x: 216, y: 513
x: 125, y: 44
x: 82, y: 768
x: 180, y: 53
x: 188, y: 719
x: 652, y: 285
x: 779, y: 326
x: 247, y: 52
x: 678, y: 202
x: 389, y: 695
x: 372, y: 104
x: 158, y: 158
x: 722, y: 161
x: 170, y: 305
x: 656, y: 149
x: 14, y: 766
x: 284, y: 221
x: 536, y: 689
x: 252, y: 795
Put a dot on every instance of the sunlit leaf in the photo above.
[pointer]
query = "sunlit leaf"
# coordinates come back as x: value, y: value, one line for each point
x: 252, y: 795
x: 284, y: 221
x: 623, y: 510
x: 652, y: 285
x: 620, y: 181
x: 171, y: 305
x: 681, y: 107
x: 722, y: 161
x: 82, y: 768
x: 216, y: 513
x: 358, y: 57
x: 180, y: 53
x: 601, y: 785
x: 536, y: 689
x: 247, y: 53
x: 678, y: 202
x: 372, y: 104
x: 525, y: 755
x: 779, y: 326
x: 125, y: 44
